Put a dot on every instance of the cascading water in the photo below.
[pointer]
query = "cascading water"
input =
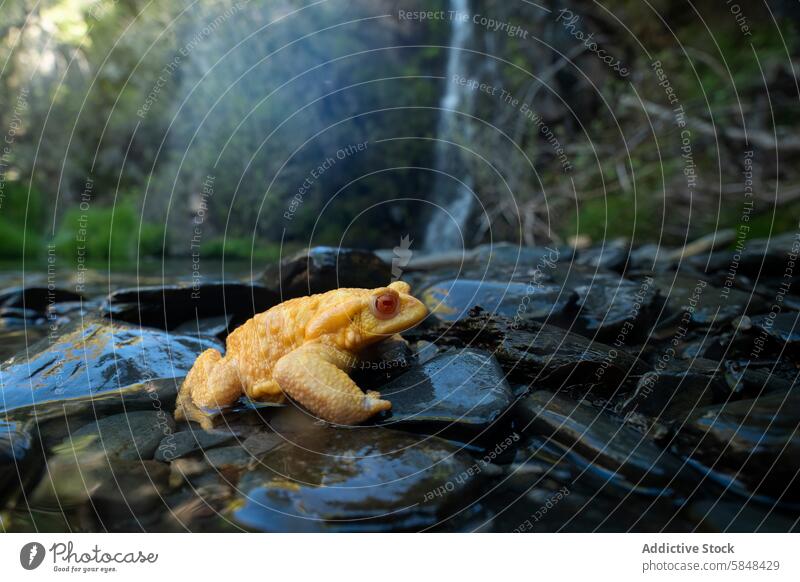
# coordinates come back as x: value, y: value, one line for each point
x: 445, y: 230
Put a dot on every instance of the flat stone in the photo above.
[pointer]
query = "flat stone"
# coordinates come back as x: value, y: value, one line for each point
x: 452, y: 300
x: 465, y: 387
x: 598, y: 441
x: 169, y: 306
x: 94, y: 357
x: 361, y: 479
x: 751, y: 446
x: 180, y: 444
x: 130, y: 436
x: 235, y: 457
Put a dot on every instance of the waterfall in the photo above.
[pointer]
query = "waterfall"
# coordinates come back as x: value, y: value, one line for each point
x: 446, y: 227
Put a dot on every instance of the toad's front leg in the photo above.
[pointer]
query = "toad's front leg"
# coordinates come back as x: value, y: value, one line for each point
x: 316, y: 376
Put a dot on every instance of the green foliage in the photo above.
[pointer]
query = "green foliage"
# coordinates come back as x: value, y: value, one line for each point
x: 21, y: 220
x: 15, y: 241
x: 774, y: 221
x: 99, y: 233
x: 236, y: 248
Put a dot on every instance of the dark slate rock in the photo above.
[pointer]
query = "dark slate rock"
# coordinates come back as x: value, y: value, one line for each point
x: 218, y: 326
x: 186, y: 442
x: 322, y: 269
x: 673, y: 395
x: 614, y: 308
x: 169, y: 306
x: 783, y: 327
x: 597, y: 440
x: 535, y: 353
x: 752, y: 446
x: 749, y: 379
x: 14, y: 341
x: 363, y: 479
x: 760, y: 257
x: 698, y: 303
x: 510, y: 260
x: 94, y: 357
x: 613, y: 256
x: 36, y: 298
x: 120, y: 495
x: 233, y: 457
x: 466, y: 387
x: 452, y: 300
x: 551, y: 356
x: 130, y: 436
x: 381, y: 362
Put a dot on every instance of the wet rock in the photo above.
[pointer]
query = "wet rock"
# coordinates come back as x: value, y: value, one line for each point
x: 465, y: 387
x: 168, y: 306
x: 180, y: 444
x: 551, y: 356
x: 510, y: 260
x: 233, y: 457
x: 692, y: 301
x: 13, y: 341
x: 595, y: 441
x: 322, y: 269
x: 95, y: 357
x: 17, y: 458
x: 218, y: 326
x: 130, y: 436
x: 262, y: 442
x: 613, y: 308
x: 760, y: 257
x: 671, y: 395
x: 36, y: 298
x: 783, y: 328
x: 363, y: 479
x: 752, y: 446
x: 381, y: 362
x: 101, y: 493
x: 452, y: 300
x: 750, y: 379
x: 613, y: 256
x: 535, y: 353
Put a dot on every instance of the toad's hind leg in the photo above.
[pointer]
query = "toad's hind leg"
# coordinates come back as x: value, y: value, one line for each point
x: 314, y: 375
x: 212, y: 383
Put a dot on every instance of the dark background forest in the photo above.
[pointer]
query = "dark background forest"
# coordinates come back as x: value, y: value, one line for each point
x: 127, y: 124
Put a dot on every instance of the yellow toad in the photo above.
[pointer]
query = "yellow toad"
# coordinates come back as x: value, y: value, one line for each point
x: 303, y: 348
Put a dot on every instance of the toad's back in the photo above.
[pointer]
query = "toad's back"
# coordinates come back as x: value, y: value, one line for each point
x: 267, y: 337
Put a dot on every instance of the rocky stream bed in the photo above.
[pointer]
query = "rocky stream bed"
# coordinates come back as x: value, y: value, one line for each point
x: 608, y: 389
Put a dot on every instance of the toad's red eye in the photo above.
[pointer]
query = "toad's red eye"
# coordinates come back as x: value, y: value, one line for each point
x: 385, y: 305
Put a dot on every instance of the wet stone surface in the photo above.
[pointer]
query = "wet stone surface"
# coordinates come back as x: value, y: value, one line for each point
x: 363, y: 479
x: 95, y: 357
x: 550, y: 390
x: 452, y: 300
x: 465, y: 387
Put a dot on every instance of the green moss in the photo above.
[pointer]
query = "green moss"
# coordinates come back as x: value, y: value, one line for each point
x: 615, y: 216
